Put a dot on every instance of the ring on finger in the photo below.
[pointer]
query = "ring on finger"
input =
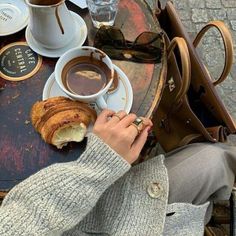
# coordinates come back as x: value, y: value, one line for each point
x: 138, y: 124
x: 116, y: 115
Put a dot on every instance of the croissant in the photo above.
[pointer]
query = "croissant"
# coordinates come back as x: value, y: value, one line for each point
x: 40, y: 107
x: 60, y: 120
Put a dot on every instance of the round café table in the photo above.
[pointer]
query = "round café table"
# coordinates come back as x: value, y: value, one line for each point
x: 22, y: 151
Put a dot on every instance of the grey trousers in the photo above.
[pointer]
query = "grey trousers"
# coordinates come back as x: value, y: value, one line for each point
x: 201, y: 172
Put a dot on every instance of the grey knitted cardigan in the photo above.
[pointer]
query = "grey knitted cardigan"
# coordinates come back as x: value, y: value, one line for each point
x: 98, y: 194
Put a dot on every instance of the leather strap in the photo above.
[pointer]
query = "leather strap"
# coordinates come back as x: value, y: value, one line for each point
x: 185, y: 64
x: 188, y: 139
x: 218, y: 133
x: 228, y: 45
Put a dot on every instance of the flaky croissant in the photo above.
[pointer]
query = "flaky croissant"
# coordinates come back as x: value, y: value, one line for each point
x: 60, y: 120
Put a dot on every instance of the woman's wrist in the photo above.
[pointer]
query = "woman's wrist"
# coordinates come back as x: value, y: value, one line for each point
x: 103, y: 160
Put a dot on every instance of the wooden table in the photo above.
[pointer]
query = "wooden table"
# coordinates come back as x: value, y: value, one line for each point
x: 22, y: 151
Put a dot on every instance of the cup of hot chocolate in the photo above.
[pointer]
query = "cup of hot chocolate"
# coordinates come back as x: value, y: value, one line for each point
x: 85, y: 74
x: 51, y: 23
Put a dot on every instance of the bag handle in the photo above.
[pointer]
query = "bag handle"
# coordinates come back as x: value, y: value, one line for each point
x: 228, y: 45
x: 185, y: 64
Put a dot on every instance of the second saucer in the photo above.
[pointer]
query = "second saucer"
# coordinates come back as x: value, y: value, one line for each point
x: 79, y: 39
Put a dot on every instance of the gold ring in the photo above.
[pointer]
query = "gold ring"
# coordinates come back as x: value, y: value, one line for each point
x: 138, y: 124
x: 117, y: 116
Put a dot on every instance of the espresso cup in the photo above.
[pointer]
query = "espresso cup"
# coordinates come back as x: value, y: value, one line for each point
x: 85, y: 74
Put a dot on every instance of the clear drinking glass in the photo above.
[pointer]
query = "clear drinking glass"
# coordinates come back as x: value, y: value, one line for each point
x: 102, y: 12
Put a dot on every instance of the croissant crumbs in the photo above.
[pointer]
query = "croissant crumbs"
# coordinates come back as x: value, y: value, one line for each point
x: 60, y: 120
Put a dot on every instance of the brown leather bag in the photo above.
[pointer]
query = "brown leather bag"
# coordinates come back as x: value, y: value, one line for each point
x: 190, y: 109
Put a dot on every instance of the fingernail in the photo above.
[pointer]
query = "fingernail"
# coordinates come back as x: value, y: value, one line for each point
x: 149, y: 129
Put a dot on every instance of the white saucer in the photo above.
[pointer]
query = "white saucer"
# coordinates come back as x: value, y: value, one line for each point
x: 80, y: 37
x: 121, y: 99
x: 14, y: 16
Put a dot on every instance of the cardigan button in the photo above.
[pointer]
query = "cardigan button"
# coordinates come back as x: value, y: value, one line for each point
x: 154, y: 190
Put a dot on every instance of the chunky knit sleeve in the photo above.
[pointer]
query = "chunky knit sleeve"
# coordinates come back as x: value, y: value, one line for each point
x: 58, y: 197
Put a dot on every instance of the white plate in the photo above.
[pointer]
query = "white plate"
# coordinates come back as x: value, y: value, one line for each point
x: 14, y: 16
x: 80, y: 37
x: 121, y: 99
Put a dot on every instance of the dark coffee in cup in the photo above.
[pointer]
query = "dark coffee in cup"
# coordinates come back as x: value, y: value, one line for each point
x: 85, y: 75
x: 45, y: 2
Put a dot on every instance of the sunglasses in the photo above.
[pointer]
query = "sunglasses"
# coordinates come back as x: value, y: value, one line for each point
x: 146, y: 48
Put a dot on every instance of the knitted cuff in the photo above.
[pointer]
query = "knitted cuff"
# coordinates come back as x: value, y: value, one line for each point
x: 102, y: 158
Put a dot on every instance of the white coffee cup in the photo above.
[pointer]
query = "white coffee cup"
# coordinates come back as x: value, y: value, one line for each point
x: 51, y: 23
x: 96, y: 54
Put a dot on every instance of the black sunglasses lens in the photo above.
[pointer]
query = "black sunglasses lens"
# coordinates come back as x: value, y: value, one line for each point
x: 148, y: 55
x: 148, y: 38
x: 149, y: 45
x: 109, y: 36
x: 113, y: 52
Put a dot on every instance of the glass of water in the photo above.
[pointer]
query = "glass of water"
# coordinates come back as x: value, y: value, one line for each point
x: 102, y: 12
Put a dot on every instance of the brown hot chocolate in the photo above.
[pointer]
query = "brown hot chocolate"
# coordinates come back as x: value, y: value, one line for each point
x: 45, y: 2
x: 85, y: 75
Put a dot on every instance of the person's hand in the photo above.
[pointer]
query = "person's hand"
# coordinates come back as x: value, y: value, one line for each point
x: 121, y: 134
